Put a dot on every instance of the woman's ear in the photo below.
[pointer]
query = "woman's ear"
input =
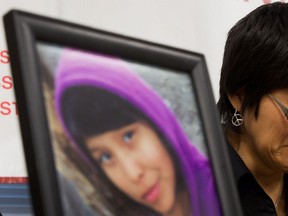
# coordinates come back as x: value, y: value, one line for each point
x: 236, y: 100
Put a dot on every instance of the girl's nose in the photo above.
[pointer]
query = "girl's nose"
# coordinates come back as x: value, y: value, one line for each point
x: 132, y: 168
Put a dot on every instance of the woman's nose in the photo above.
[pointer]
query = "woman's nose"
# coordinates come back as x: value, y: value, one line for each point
x: 132, y: 168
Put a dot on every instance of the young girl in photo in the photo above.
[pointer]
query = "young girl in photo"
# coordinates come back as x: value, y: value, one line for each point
x: 137, y: 155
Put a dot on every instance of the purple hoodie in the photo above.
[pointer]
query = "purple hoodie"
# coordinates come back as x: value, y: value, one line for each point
x: 114, y: 75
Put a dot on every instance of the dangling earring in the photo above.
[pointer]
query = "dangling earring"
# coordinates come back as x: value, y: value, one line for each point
x: 237, y: 119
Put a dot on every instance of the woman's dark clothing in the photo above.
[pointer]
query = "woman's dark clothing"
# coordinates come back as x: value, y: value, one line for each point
x: 254, y: 200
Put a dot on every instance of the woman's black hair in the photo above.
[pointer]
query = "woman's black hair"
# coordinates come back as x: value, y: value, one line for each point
x: 255, y: 60
x: 88, y: 111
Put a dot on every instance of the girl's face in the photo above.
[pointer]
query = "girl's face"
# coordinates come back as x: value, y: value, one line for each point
x: 134, y: 159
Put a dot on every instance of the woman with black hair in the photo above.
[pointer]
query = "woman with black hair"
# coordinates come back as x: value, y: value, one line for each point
x: 253, y: 105
x: 130, y: 141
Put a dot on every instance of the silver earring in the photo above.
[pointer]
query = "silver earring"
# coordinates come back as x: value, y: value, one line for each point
x: 237, y: 119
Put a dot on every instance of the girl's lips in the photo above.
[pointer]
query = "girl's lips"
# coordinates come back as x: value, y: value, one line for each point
x: 153, y: 193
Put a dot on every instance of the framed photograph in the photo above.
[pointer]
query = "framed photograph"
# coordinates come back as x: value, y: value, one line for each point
x: 116, y: 126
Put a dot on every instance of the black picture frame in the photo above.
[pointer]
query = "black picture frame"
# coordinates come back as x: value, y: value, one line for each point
x: 24, y: 30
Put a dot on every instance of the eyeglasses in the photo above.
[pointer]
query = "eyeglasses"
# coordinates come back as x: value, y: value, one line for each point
x: 283, y: 108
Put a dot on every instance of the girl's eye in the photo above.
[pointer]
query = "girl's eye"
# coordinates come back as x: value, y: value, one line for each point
x: 105, y: 158
x: 128, y: 136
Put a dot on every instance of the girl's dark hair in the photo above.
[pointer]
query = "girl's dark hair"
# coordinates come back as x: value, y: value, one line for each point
x: 255, y: 59
x: 88, y: 111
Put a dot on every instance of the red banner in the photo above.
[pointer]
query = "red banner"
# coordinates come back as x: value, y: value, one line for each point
x: 13, y: 180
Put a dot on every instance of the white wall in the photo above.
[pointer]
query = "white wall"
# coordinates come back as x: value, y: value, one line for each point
x: 196, y: 25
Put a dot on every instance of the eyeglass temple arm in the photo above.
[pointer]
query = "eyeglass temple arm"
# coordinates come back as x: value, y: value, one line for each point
x: 283, y: 108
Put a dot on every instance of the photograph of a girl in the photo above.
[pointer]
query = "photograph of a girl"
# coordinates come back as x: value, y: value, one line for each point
x: 138, y: 157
